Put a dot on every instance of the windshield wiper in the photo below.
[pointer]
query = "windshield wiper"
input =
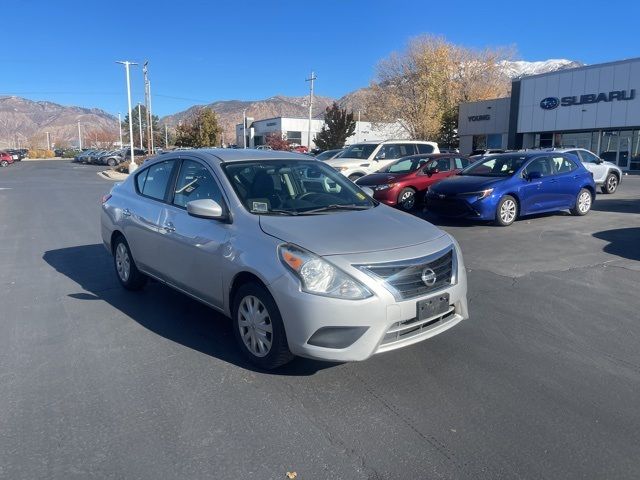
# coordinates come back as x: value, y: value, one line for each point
x: 328, y: 208
x: 278, y: 211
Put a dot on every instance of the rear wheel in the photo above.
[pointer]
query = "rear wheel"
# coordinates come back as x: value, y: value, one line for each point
x: 507, y: 211
x: 584, y: 200
x: 407, y: 199
x: 258, y: 327
x: 112, y: 162
x: 128, y: 274
x: 610, y: 184
x: 4, y: 163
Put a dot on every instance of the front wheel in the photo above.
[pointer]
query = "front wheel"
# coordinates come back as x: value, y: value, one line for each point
x: 407, y: 199
x: 111, y: 162
x: 128, y: 274
x: 258, y: 327
x: 610, y: 184
x: 507, y: 211
x: 584, y: 200
x: 4, y: 163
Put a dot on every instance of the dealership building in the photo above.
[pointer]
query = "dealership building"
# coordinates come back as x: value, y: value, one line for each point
x: 596, y: 107
x: 296, y: 131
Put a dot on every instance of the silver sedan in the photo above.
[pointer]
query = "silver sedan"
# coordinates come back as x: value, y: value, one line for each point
x: 302, y: 260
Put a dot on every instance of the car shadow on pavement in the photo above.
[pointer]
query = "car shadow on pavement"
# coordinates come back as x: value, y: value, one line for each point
x: 623, y: 242
x: 161, y: 309
x: 618, y: 205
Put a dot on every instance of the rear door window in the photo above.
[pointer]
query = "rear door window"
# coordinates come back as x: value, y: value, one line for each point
x: 424, y: 148
x: 157, y: 180
x: 563, y: 165
x: 461, y: 163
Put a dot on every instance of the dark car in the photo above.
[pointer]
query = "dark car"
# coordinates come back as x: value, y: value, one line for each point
x: 506, y: 186
x: 17, y: 155
x: 405, y: 181
x: 6, y: 159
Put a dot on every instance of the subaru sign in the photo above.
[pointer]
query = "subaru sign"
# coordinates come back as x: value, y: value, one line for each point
x: 550, y: 103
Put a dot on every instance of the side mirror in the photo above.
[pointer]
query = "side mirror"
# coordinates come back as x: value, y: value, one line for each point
x: 380, y: 156
x: 367, y: 190
x: 599, y: 161
x: 205, y: 208
x: 534, y: 176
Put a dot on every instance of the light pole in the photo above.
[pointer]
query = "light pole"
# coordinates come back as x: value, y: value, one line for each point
x: 311, y: 79
x: 150, y: 120
x: 140, y: 125
x: 244, y: 128
x: 120, y: 127
x: 127, y: 64
x: 48, y: 141
x: 79, y: 137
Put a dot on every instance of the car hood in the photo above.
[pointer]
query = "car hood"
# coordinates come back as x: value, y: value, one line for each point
x: 348, y: 232
x: 466, y: 183
x: 348, y: 162
x: 380, y: 178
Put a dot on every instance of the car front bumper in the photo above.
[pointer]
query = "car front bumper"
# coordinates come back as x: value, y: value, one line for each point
x: 461, y: 207
x: 383, y: 322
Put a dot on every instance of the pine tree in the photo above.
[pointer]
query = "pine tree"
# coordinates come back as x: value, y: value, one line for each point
x: 201, y: 129
x: 338, y: 126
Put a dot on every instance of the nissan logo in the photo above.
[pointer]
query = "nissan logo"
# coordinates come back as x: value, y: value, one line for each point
x: 428, y: 277
x: 549, y: 103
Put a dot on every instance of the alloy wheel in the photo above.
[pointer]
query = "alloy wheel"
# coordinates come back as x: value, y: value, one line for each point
x: 408, y: 199
x: 508, y: 211
x: 584, y: 202
x: 255, y: 326
x: 4, y: 163
x: 612, y: 183
x: 123, y: 262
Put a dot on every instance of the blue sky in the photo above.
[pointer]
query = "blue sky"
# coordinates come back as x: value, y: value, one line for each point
x: 201, y: 51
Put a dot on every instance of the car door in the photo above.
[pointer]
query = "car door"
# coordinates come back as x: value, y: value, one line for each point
x: 592, y: 163
x: 564, y: 185
x: 534, y: 193
x: 141, y: 213
x: 191, y: 247
x: 435, y: 170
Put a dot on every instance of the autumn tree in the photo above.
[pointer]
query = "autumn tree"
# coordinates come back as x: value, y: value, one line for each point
x: 277, y: 141
x: 199, y: 130
x: 423, y: 86
x: 338, y: 126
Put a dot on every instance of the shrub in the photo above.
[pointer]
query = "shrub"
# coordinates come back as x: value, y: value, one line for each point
x: 41, y: 153
x: 124, y: 166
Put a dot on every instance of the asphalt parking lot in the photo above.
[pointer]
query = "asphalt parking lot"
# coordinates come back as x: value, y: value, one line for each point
x: 96, y: 382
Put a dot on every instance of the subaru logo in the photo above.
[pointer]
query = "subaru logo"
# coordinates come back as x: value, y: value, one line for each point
x: 549, y: 103
x: 428, y: 277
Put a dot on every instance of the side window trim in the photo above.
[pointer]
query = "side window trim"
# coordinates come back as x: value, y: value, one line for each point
x: 169, y: 183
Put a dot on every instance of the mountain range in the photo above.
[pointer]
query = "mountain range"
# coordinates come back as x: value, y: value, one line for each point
x: 25, y: 122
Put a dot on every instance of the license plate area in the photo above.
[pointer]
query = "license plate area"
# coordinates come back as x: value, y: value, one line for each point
x: 430, y: 307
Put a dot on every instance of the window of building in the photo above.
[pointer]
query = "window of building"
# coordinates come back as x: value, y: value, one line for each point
x: 494, y: 140
x: 479, y: 142
x: 294, y: 137
x: 634, y: 163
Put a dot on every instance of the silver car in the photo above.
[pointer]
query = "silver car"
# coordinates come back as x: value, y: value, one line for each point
x: 302, y: 260
x: 607, y: 175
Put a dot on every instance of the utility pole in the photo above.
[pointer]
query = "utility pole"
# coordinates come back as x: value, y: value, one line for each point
x: 120, y: 127
x: 150, y: 116
x: 127, y: 64
x: 166, y: 137
x: 358, y: 128
x: 244, y: 128
x: 311, y: 79
x: 48, y: 141
x: 140, y: 125
x: 147, y: 105
x: 79, y: 137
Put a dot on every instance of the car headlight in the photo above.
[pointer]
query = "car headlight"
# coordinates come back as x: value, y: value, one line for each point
x: 318, y: 276
x: 386, y: 186
x: 481, y: 194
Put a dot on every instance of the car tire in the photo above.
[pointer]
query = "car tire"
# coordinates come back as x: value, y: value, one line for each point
x: 4, y: 163
x: 584, y: 201
x: 126, y: 270
x: 355, y: 176
x: 258, y: 327
x: 407, y: 199
x: 112, y: 162
x: 506, y: 211
x: 610, y: 184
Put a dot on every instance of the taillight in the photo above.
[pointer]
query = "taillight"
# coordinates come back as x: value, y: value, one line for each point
x: 105, y: 198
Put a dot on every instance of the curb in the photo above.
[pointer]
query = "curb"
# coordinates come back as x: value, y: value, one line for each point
x: 111, y: 175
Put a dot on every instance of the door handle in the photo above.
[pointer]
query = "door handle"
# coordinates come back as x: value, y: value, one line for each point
x: 169, y: 227
x: 126, y: 212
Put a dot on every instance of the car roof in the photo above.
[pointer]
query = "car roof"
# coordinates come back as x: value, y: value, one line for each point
x: 230, y: 155
x: 378, y: 142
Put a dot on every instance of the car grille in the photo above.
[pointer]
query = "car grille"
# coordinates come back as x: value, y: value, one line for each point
x: 451, y: 207
x: 400, y: 331
x: 404, y: 278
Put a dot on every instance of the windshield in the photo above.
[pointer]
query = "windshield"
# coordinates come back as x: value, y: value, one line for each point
x: 326, y: 155
x: 406, y: 165
x: 496, y: 166
x: 359, y: 150
x: 294, y: 187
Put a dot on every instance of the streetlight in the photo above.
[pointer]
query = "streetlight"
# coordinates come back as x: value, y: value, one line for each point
x: 244, y: 128
x: 79, y: 137
x: 120, y: 126
x: 140, y: 125
x: 126, y: 63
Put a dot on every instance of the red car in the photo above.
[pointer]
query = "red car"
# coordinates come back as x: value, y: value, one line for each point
x: 406, y: 180
x: 5, y: 159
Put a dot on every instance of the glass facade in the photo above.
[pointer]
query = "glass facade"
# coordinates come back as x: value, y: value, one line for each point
x: 491, y: 140
x: 621, y: 147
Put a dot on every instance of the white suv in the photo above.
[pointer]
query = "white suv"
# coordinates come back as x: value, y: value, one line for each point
x: 607, y: 175
x: 361, y: 159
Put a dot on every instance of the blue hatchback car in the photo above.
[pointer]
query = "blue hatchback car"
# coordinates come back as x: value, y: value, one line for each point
x: 506, y: 186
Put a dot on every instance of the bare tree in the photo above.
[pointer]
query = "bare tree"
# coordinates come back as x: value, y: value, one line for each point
x: 423, y: 86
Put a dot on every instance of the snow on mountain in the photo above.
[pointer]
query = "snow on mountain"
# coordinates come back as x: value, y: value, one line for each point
x: 522, y: 68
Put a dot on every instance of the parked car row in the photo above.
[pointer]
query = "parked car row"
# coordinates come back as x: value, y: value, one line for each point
x: 107, y: 157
